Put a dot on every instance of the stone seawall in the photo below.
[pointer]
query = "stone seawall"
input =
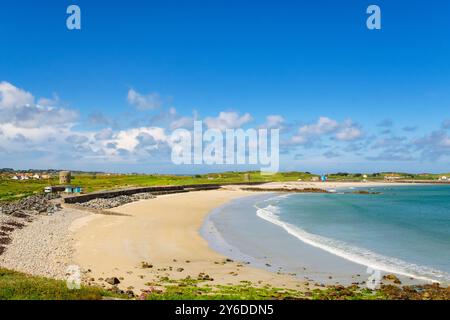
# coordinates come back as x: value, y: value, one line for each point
x: 155, y: 190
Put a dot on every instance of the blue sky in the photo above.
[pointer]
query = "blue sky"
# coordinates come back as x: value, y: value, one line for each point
x: 347, y: 98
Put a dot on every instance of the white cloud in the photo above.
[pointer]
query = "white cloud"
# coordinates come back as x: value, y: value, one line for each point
x: 274, y: 121
x: 144, y: 102
x: 50, y: 102
x: 105, y: 134
x: 128, y: 139
x: 18, y: 107
x: 324, y: 125
x: 11, y: 96
x: 182, y: 122
x: 348, y: 132
x: 227, y: 120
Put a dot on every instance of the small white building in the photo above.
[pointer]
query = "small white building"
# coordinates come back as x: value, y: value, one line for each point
x: 36, y: 176
x: 443, y: 178
x: 15, y: 178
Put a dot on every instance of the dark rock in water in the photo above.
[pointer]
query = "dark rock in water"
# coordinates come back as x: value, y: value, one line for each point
x: 293, y: 190
x: 365, y: 192
x: 112, y: 281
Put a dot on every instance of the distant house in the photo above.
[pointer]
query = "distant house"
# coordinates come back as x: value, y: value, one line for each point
x: 443, y: 178
x: 36, y: 176
x: 15, y: 178
x: 392, y: 177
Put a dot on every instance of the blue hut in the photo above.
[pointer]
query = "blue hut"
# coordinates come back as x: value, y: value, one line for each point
x: 71, y: 189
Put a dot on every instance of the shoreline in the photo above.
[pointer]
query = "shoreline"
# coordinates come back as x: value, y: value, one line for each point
x: 159, y: 239
x: 281, y: 249
x: 150, y: 241
x: 165, y: 233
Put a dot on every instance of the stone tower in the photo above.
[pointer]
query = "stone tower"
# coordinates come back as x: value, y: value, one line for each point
x: 65, y: 177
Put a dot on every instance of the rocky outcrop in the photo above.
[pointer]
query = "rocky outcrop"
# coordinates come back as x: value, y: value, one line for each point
x: 293, y: 190
x: 108, y: 203
x: 37, y: 204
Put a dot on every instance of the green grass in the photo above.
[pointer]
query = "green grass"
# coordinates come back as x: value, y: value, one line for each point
x: 13, y: 190
x: 18, y: 286
x: 191, y: 289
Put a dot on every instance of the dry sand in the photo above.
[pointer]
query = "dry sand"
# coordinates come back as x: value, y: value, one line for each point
x: 163, y: 232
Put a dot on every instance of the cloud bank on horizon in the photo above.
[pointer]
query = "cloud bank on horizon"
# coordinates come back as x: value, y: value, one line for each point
x: 42, y: 133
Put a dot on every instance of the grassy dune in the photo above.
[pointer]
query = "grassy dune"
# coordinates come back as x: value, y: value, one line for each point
x: 18, y: 286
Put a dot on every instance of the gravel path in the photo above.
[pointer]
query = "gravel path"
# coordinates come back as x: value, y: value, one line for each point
x: 42, y: 247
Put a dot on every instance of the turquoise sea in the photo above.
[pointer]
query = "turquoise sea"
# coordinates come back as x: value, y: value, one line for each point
x: 404, y: 230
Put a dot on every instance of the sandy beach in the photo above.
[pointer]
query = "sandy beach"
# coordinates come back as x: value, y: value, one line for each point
x: 143, y: 242
x: 163, y: 232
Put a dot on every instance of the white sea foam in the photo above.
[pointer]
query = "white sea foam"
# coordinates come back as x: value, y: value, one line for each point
x: 358, y: 255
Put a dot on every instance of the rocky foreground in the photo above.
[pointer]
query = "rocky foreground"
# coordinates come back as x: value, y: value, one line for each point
x: 36, y: 240
x: 40, y: 245
x: 18, y: 214
x: 37, y: 204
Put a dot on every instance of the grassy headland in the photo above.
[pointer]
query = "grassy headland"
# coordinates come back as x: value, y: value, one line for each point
x: 14, y: 189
